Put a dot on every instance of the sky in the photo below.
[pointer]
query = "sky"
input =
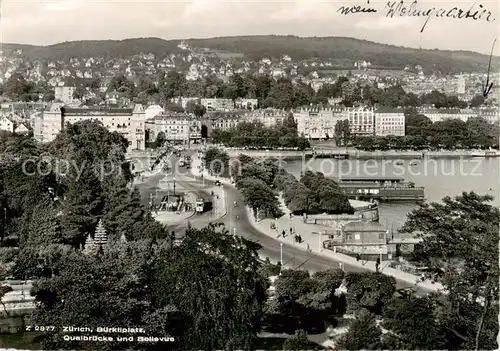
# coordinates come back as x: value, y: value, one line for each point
x: 44, y: 22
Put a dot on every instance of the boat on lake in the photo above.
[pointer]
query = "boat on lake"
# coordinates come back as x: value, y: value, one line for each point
x: 486, y: 153
x: 381, y: 188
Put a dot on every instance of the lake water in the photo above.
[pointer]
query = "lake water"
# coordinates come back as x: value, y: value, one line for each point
x: 440, y: 177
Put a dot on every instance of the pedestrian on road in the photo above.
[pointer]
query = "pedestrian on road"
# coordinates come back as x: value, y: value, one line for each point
x: 296, y: 238
x: 308, y: 248
x: 291, y: 230
x: 283, y: 233
x: 300, y: 239
x: 290, y: 215
x: 358, y: 257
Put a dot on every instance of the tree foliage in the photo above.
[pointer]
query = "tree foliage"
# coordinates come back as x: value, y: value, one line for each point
x: 414, y: 324
x: 217, y: 161
x: 448, y: 134
x: 313, y: 194
x: 368, y: 291
x: 363, y: 334
x: 256, y: 135
x: 460, y: 248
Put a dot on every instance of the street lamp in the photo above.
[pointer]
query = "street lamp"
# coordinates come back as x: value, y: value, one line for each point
x: 281, y: 257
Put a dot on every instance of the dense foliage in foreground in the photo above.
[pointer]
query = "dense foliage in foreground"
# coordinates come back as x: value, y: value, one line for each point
x: 209, y: 291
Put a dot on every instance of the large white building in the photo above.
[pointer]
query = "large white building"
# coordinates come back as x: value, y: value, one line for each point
x: 129, y: 122
x: 389, y: 123
x: 461, y: 85
x: 361, y: 121
x: 440, y: 114
x: 318, y: 123
x: 268, y: 117
x: 6, y: 124
x: 64, y: 94
x: 218, y: 104
x: 178, y: 128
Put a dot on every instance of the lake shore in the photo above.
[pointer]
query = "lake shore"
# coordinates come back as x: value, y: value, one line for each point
x: 350, y: 153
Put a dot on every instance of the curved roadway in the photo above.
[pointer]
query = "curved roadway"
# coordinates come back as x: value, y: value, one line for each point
x: 293, y: 257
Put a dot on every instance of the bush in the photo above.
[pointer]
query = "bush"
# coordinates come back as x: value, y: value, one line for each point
x: 297, y: 342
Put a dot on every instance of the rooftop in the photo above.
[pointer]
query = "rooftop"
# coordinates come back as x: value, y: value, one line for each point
x: 364, y: 227
x: 97, y: 110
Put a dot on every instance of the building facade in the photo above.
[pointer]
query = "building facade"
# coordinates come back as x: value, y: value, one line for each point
x: 247, y: 104
x: 178, y: 128
x: 361, y: 121
x: 129, y: 122
x: 389, y: 123
x: 64, y: 94
x: 364, y: 238
x: 6, y: 124
x: 441, y: 114
x: 220, y: 122
x: 318, y: 123
x: 268, y: 117
x: 437, y: 115
x: 218, y: 104
x: 461, y: 85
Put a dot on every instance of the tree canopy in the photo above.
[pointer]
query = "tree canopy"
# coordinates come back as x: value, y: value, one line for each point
x: 460, y: 248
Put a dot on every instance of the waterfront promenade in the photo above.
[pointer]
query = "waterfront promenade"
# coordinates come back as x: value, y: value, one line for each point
x: 353, y: 153
x: 312, y: 240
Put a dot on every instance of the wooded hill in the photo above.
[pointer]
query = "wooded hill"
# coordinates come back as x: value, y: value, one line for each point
x: 340, y: 50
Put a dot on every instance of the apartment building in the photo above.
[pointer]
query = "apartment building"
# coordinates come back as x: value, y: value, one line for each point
x: 361, y: 120
x: 247, y: 104
x: 6, y: 124
x: 461, y: 85
x: 492, y: 116
x: 218, y: 104
x: 318, y: 123
x: 178, y: 128
x: 129, y: 122
x: 64, y: 94
x: 389, y: 123
x: 220, y: 122
x: 440, y: 114
x: 268, y: 117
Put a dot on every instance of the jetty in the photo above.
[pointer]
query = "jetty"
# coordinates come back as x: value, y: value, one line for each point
x: 381, y: 188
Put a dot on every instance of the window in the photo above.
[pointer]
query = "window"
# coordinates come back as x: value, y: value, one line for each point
x: 381, y: 236
x: 357, y: 236
x: 349, y: 237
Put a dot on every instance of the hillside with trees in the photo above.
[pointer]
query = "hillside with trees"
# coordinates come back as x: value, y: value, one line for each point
x: 337, y: 49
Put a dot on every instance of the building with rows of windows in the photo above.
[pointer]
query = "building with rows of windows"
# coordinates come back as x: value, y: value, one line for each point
x: 178, y: 128
x: 129, y: 122
x: 319, y: 123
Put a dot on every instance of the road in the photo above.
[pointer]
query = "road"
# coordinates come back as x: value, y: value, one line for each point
x: 293, y: 257
x: 151, y: 187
